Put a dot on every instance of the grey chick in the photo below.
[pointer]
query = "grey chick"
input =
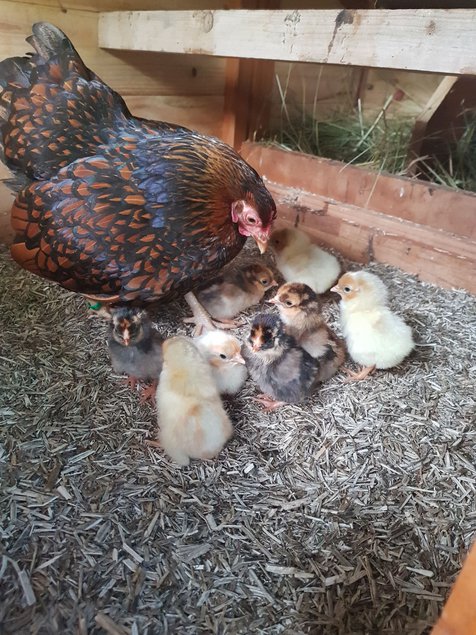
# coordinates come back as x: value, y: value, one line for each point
x: 236, y: 290
x: 284, y: 371
x: 300, y: 310
x: 135, y: 348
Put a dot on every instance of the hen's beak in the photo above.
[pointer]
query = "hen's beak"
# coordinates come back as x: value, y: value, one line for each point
x: 238, y: 359
x: 262, y: 242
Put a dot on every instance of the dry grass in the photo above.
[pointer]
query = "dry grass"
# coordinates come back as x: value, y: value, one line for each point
x: 348, y: 515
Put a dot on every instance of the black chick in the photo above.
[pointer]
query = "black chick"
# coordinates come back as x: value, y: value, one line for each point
x: 282, y: 369
x: 135, y: 348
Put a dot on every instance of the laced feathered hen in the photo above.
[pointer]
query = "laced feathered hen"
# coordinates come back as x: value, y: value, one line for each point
x: 118, y: 208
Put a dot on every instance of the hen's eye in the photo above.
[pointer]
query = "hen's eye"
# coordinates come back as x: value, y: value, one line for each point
x: 251, y: 220
x: 347, y: 289
x: 222, y: 355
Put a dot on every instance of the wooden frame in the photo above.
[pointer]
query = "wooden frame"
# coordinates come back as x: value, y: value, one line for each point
x: 436, y: 41
x: 422, y: 228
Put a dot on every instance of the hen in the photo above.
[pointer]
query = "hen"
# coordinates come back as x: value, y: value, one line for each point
x: 118, y: 208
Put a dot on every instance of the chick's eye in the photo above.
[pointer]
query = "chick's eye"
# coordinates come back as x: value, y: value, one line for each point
x: 222, y: 355
x: 288, y: 303
x: 347, y: 289
x: 264, y: 281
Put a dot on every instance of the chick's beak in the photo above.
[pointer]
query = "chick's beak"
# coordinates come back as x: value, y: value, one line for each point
x: 273, y: 283
x: 238, y: 359
x: 126, y: 337
x: 273, y: 300
x: 336, y: 289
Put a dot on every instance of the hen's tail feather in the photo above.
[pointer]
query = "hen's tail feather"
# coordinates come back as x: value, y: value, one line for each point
x: 53, y: 109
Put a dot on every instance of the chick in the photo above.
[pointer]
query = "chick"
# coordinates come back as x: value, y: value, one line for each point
x: 298, y: 260
x: 192, y: 421
x: 281, y: 368
x: 223, y: 353
x: 135, y: 347
x: 300, y: 311
x: 375, y: 337
x: 236, y: 290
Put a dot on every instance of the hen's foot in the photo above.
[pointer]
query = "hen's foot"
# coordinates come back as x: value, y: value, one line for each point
x: 362, y: 374
x: 147, y: 393
x: 269, y: 404
x: 202, y: 319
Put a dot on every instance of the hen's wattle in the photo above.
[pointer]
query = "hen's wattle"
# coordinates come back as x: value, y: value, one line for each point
x: 117, y: 208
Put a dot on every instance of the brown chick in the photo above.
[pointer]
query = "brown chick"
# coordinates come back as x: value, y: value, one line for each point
x: 300, y: 311
x: 236, y: 290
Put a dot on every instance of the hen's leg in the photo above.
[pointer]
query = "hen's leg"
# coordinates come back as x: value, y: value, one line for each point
x: 269, y: 403
x: 364, y: 372
x: 201, y: 318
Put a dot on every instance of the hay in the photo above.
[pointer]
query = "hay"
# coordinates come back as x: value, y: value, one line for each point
x: 350, y: 514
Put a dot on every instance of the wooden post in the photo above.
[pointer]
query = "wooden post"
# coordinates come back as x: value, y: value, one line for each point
x: 248, y: 86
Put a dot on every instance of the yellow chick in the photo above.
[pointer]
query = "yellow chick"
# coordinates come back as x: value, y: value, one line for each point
x: 375, y: 336
x: 192, y: 421
x: 298, y: 260
x: 223, y: 353
x: 236, y: 290
x: 300, y: 311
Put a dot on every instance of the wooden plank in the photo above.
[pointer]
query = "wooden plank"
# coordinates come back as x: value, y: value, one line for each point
x: 198, y: 113
x: 459, y: 613
x: 127, y: 5
x: 363, y: 235
x: 130, y: 73
x: 436, y: 41
x: 248, y: 90
x: 428, y: 204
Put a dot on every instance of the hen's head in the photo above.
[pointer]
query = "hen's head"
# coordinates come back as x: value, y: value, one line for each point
x: 251, y: 206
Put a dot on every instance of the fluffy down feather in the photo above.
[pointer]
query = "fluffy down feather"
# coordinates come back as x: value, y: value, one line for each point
x: 298, y: 260
x: 375, y: 336
x: 192, y: 421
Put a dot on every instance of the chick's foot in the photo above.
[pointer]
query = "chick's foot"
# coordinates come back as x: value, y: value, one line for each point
x: 364, y: 372
x: 269, y: 404
x: 148, y: 393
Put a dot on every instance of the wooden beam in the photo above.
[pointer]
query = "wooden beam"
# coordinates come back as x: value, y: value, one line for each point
x: 438, y: 41
x: 248, y: 89
x: 441, y: 208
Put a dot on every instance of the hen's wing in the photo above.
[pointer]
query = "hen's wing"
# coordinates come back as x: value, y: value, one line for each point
x: 108, y: 228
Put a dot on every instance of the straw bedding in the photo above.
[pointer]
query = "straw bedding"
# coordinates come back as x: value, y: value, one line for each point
x: 349, y: 514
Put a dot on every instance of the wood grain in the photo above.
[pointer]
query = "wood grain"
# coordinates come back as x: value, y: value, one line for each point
x: 436, y: 41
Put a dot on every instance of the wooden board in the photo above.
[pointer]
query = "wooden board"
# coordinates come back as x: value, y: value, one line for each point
x: 439, y: 41
x: 365, y: 235
x: 424, y: 203
x: 129, y: 73
x: 423, y: 229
